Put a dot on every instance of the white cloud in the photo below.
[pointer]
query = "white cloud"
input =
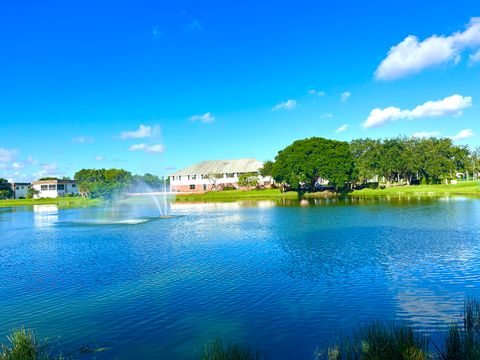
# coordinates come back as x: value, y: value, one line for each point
x: 142, y: 132
x: 158, y: 148
x: 17, y: 165
x: 462, y: 134
x: 7, y: 155
x: 426, y: 134
x: 474, y: 58
x: 316, y: 93
x: 205, y: 118
x: 82, y: 140
x: 99, y: 158
x: 155, y: 148
x: 412, y: 56
x: 326, y: 115
x: 450, y: 106
x: 287, y: 105
x: 341, y: 128
x: 345, y: 95
x: 137, y: 147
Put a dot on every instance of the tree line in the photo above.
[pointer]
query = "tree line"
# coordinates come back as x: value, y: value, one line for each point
x: 308, y: 164
x: 110, y: 183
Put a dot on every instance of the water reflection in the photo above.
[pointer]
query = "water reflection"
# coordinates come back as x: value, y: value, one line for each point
x: 45, y: 215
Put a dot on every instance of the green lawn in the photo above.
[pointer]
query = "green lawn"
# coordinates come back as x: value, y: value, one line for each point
x: 60, y: 201
x: 463, y: 188
x: 232, y: 195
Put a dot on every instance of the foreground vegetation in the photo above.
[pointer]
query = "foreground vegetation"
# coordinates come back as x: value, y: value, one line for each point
x: 376, y: 341
x: 68, y: 201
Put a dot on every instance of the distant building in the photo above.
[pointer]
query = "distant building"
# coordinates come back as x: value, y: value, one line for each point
x: 216, y: 174
x: 20, y: 190
x: 54, y: 188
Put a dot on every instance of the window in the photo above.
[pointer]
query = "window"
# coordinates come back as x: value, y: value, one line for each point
x: 61, y: 187
x: 192, y: 187
x: 230, y: 175
x: 18, y: 188
x: 204, y: 187
x: 43, y: 187
x: 188, y: 177
x: 179, y: 177
x: 194, y: 177
x: 73, y: 185
x: 52, y: 187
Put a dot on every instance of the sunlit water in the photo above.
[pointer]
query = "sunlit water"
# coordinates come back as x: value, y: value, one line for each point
x: 284, y: 277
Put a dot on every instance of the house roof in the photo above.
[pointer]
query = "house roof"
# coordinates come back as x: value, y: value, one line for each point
x: 54, y: 182
x: 221, y: 166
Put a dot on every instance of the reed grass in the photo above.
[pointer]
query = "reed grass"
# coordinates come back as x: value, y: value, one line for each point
x: 217, y: 350
x: 23, y: 345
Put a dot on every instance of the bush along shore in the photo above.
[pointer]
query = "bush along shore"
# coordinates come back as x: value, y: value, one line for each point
x: 376, y: 341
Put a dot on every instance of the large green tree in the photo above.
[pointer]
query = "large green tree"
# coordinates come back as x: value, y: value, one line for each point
x: 103, y: 183
x: 6, y: 191
x: 304, y: 162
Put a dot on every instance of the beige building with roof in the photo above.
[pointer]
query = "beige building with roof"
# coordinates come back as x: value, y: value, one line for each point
x: 215, y: 175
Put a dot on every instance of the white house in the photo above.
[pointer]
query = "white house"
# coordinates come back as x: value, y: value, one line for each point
x: 215, y: 174
x: 20, y: 190
x: 54, y: 188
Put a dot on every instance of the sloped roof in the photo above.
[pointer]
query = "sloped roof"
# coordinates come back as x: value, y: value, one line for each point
x: 221, y: 166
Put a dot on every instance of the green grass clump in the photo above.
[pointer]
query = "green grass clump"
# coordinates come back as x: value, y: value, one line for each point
x: 379, y: 341
x: 24, y: 346
x: 216, y: 350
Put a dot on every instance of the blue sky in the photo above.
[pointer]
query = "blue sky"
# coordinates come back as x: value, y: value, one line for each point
x: 150, y: 86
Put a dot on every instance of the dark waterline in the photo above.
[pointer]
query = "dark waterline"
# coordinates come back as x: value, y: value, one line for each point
x: 284, y: 276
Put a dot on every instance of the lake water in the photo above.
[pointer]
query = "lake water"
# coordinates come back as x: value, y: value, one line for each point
x: 284, y: 277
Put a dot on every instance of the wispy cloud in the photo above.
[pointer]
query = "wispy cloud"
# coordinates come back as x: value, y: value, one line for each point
x: 316, y: 92
x: 99, y: 158
x: 326, y: 115
x: 462, y: 135
x: 426, y: 134
x: 7, y: 155
x: 194, y: 25
x: 341, y: 128
x: 345, y: 96
x: 156, y: 33
x: 158, y: 148
x: 412, y: 56
x: 449, y: 106
x: 474, y: 58
x: 287, y: 105
x: 143, y: 131
x: 205, y: 118
x: 82, y: 139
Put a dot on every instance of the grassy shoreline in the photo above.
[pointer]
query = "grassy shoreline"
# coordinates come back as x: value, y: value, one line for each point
x: 468, y: 188
x: 60, y: 201
x: 233, y: 195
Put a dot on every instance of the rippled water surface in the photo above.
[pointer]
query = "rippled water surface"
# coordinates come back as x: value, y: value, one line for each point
x: 286, y: 278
